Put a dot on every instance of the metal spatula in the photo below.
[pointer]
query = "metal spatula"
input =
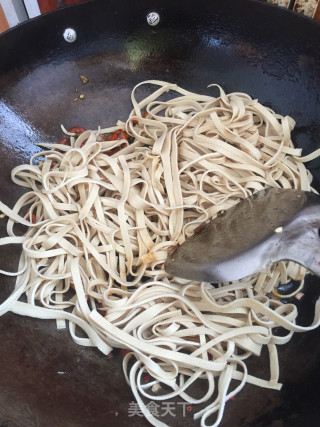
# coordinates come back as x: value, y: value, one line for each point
x: 270, y: 226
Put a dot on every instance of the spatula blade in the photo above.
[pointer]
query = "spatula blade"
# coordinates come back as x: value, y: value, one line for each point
x: 272, y: 225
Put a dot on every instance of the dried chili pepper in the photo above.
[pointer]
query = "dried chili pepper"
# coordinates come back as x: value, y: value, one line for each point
x: 143, y: 115
x: 78, y: 130
x: 117, y: 135
x: 114, y: 136
x: 146, y: 378
x: 124, y: 352
x: 33, y: 218
x: 64, y: 141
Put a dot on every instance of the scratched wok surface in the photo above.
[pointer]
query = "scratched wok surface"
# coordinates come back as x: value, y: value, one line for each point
x: 270, y: 53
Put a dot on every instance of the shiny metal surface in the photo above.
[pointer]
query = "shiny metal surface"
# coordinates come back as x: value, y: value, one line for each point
x: 247, y: 46
x: 270, y: 226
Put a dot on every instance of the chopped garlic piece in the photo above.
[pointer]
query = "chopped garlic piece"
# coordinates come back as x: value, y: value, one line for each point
x: 278, y: 230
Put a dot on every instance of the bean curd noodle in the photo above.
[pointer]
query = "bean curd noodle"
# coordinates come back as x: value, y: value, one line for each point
x: 104, y: 225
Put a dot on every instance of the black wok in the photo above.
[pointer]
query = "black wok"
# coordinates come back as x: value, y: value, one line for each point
x: 248, y: 46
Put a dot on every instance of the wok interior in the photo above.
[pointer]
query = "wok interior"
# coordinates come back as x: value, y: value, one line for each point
x: 238, y: 45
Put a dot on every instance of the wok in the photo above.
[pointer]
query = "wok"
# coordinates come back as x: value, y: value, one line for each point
x: 249, y: 46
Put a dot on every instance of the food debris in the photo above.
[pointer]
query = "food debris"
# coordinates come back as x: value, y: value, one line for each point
x: 299, y: 295
x: 81, y: 96
x: 147, y: 378
x: 278, y: 230
x: 76, y: 90
x: 84, y: 79
x: 2, y: 215
x: 110, y: 355
x: 75, y: 99
x: 156, y: 387
x: 61, y: 372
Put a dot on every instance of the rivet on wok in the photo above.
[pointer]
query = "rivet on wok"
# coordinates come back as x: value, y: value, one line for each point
x: 70, y: 35
x: 153, y: 19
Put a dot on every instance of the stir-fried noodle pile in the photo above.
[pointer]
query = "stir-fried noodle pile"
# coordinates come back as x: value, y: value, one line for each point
x: 102, y: 216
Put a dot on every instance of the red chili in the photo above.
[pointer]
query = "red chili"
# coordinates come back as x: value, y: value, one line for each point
x: 124, y: 352
x: 82, y: 143
x: 64, y: 141
x: 114, y: 136
x: 143, y: 115
x: 146, y: 378
x: 123, y: 135
x: 77, y: 130
x: 33, y: 218
x: 117, y: 135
